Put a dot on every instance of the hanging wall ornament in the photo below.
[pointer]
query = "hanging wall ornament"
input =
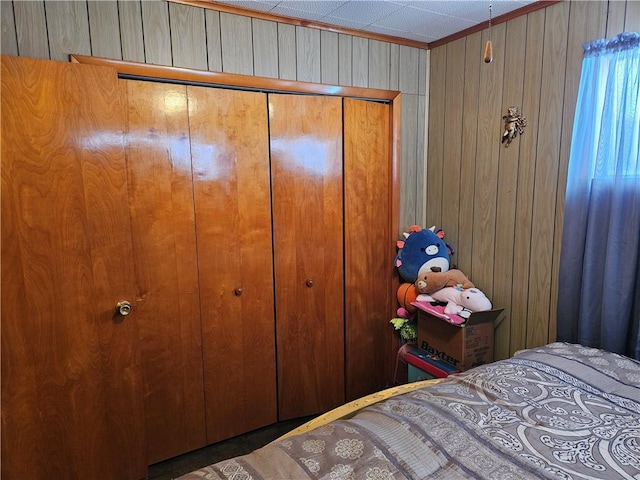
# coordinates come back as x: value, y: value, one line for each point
x: 514, y: 124
x: 488, y: 48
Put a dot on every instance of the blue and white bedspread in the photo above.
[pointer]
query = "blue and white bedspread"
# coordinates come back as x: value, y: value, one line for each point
x: 559, y: 411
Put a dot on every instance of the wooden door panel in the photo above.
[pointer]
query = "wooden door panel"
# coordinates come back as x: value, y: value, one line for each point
x: 306, y: 153
x: 368, y: 244
x: 71, y: 388
x: 164, y: 241
x: 229, y: 145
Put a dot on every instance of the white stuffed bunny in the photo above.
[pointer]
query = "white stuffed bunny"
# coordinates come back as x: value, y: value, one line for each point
x: 457, y: 299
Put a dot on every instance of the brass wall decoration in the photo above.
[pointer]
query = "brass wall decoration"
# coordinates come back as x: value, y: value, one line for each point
x: 514, y: 124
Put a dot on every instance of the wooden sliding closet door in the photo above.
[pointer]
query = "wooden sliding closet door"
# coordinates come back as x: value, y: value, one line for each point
x: 165, y: 260
x: 71, y: 387
x: 229, y: 145
x: 306, y: 155
x: 369, y: 251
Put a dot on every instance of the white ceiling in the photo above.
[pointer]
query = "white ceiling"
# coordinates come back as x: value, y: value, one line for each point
x: 419, y: 20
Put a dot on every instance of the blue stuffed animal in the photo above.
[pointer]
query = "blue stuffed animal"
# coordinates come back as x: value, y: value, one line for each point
x: 421, y: 250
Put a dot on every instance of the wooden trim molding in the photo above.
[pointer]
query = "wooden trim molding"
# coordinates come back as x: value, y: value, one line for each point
x: 300, y: 22
x: 211, y: 5
x: 202, y: 77
x: 532, y: 7
x: 187, y: 75
x: 394, y: 207
x: 348, y: 410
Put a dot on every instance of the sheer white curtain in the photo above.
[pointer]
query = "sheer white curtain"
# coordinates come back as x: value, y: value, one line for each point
x: 599, y: 289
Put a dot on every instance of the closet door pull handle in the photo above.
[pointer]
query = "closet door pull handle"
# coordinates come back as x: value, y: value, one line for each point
x: 309, y: 283
x: 237, y: 292
x: 123, y: 307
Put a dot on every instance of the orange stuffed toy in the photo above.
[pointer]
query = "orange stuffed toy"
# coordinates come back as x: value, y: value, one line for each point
x: 406, y: 294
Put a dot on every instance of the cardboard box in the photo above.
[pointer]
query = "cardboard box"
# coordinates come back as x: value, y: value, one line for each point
x: 463, y: 343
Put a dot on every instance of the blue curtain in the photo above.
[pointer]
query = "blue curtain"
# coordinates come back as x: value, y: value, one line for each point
x: 599, y: 289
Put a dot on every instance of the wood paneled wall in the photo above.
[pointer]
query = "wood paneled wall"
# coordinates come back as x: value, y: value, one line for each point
x: 502, y: 208
x: 166, y: 33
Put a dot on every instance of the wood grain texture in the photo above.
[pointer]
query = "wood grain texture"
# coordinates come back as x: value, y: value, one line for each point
x: 285, y: 20
x: 71, y: 386
x: 525, y: 10
x: 286, y: 52
x: 105, y: 29
x: 489, y: 130
x: 379, y: 64
x: 214, y: 41
x: 409, y: 64
x: 408, y: 167
x: 421, y: 161
x: 31, y: 29
x: 360, y: 62
x: 345, y: 55
x: 367, y: 175
x: 31, y: 32
x: 67, y: 28
x: 306, y: 155
x: 144, y: 70
x: 237, y: 49
x: 632, y: 17
x: 157, y: 32
x: 423, y: 72
x: 229, y: 145
x: 308, y: 54
x: 396, y: 159
x: 8, y: 40
x: 546, y: 175
x: 329, y: 53
x: 451, y: 169
x: 471, y: 100
x: 394, y: 66
x: 615, y: 18
x: 165, y: 259
x: 436, y: 137
x: 131, y: 36
x: 512, y: 94
x: 541, y: 161
x: 526, y: 181
x: 265, y: 48
x: 188, y: 36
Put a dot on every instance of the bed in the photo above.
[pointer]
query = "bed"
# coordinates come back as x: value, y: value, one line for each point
x: 558, y: 411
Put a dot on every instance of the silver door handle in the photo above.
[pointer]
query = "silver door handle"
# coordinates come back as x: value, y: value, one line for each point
x: 123, y: 307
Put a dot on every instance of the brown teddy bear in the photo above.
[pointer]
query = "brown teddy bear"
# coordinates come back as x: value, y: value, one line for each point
x: 429, y: 282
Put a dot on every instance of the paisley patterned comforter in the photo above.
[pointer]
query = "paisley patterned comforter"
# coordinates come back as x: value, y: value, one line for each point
x: 559, y: 411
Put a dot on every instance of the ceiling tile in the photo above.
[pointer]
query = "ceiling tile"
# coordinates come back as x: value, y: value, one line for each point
x: 476, y: 11
x: 417, y: 36
x: 320, y: 7
x: 365, y: 11
x: 283, y: 9
x: 261, y: 6
x: 423, y: 23
x: 419, y: 20
x: 344, y: 22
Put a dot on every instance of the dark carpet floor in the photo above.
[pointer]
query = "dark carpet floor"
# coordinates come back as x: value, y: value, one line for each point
x: 233, y: 447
